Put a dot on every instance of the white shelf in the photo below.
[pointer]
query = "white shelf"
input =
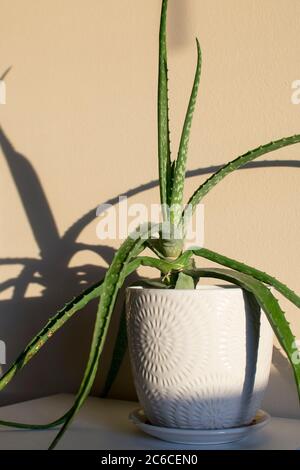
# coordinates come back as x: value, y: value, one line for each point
x: 104, y: 425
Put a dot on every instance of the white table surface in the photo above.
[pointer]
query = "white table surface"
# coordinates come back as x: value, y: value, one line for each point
x: 103, y: 424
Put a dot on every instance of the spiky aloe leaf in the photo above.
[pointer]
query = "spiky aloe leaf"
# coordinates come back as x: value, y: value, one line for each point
x: 150, y: 283
x: 243, y: 268
x: 164, y: 154
x: 112, y: 282
x: 237, y: 163
x: 268, y: 303
x: 180, y: 166
x: 118, y: 353
x: 184, y: 282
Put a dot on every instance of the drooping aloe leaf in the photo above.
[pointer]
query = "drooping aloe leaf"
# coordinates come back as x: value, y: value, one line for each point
x: 52, y: 326
x: 118, y: 353
x: 214, y: 179
x: 180, y: 167
x: 243, y: 268
x: 112, y: 282
x: 121, y: 339
x: 164, y: 154
x: 268, y: 303
x: 163, y: 265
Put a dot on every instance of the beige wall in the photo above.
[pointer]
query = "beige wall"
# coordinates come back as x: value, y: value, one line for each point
x: 81, y: 108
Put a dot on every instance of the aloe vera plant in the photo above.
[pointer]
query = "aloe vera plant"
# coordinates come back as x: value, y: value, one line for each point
x: 176, y: 266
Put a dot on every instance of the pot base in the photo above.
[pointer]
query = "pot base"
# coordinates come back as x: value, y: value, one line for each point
x: 198, y: 437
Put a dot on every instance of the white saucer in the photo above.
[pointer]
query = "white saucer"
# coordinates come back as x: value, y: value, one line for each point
x: 198, y: 436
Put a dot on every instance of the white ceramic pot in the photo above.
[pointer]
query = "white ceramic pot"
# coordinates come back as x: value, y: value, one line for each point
x: 201, y: 358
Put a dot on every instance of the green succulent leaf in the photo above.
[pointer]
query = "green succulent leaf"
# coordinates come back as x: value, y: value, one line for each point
x: 184, y: 281
x: 177, y: 269
x: 247, y: 157
x: 113, y: 280
x: 171, y: 183
x: 118, y: 353
x: 268, y: 303
x: 35, y: 345
x: 180, y: 167
x: 243, y: 268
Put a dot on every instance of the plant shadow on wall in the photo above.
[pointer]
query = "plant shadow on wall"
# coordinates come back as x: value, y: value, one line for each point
x: 21, y: 316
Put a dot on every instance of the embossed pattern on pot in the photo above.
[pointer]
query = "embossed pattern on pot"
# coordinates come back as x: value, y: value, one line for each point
x: 201, y: 359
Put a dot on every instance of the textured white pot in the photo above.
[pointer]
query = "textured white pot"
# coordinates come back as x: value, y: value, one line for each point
x: 201, y: 359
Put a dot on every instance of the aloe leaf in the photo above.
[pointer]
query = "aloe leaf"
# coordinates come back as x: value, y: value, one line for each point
x: 180, y: 167
x: 268, y: 303
x: 164, y: 266
x: 164, y: 154
x: 121, y: 340
x: 184, y: 281
x: 112, y: 282
x: 52, y: 326
x: 243, y: 268
x: 118, y: 353
x: 214, y: 179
